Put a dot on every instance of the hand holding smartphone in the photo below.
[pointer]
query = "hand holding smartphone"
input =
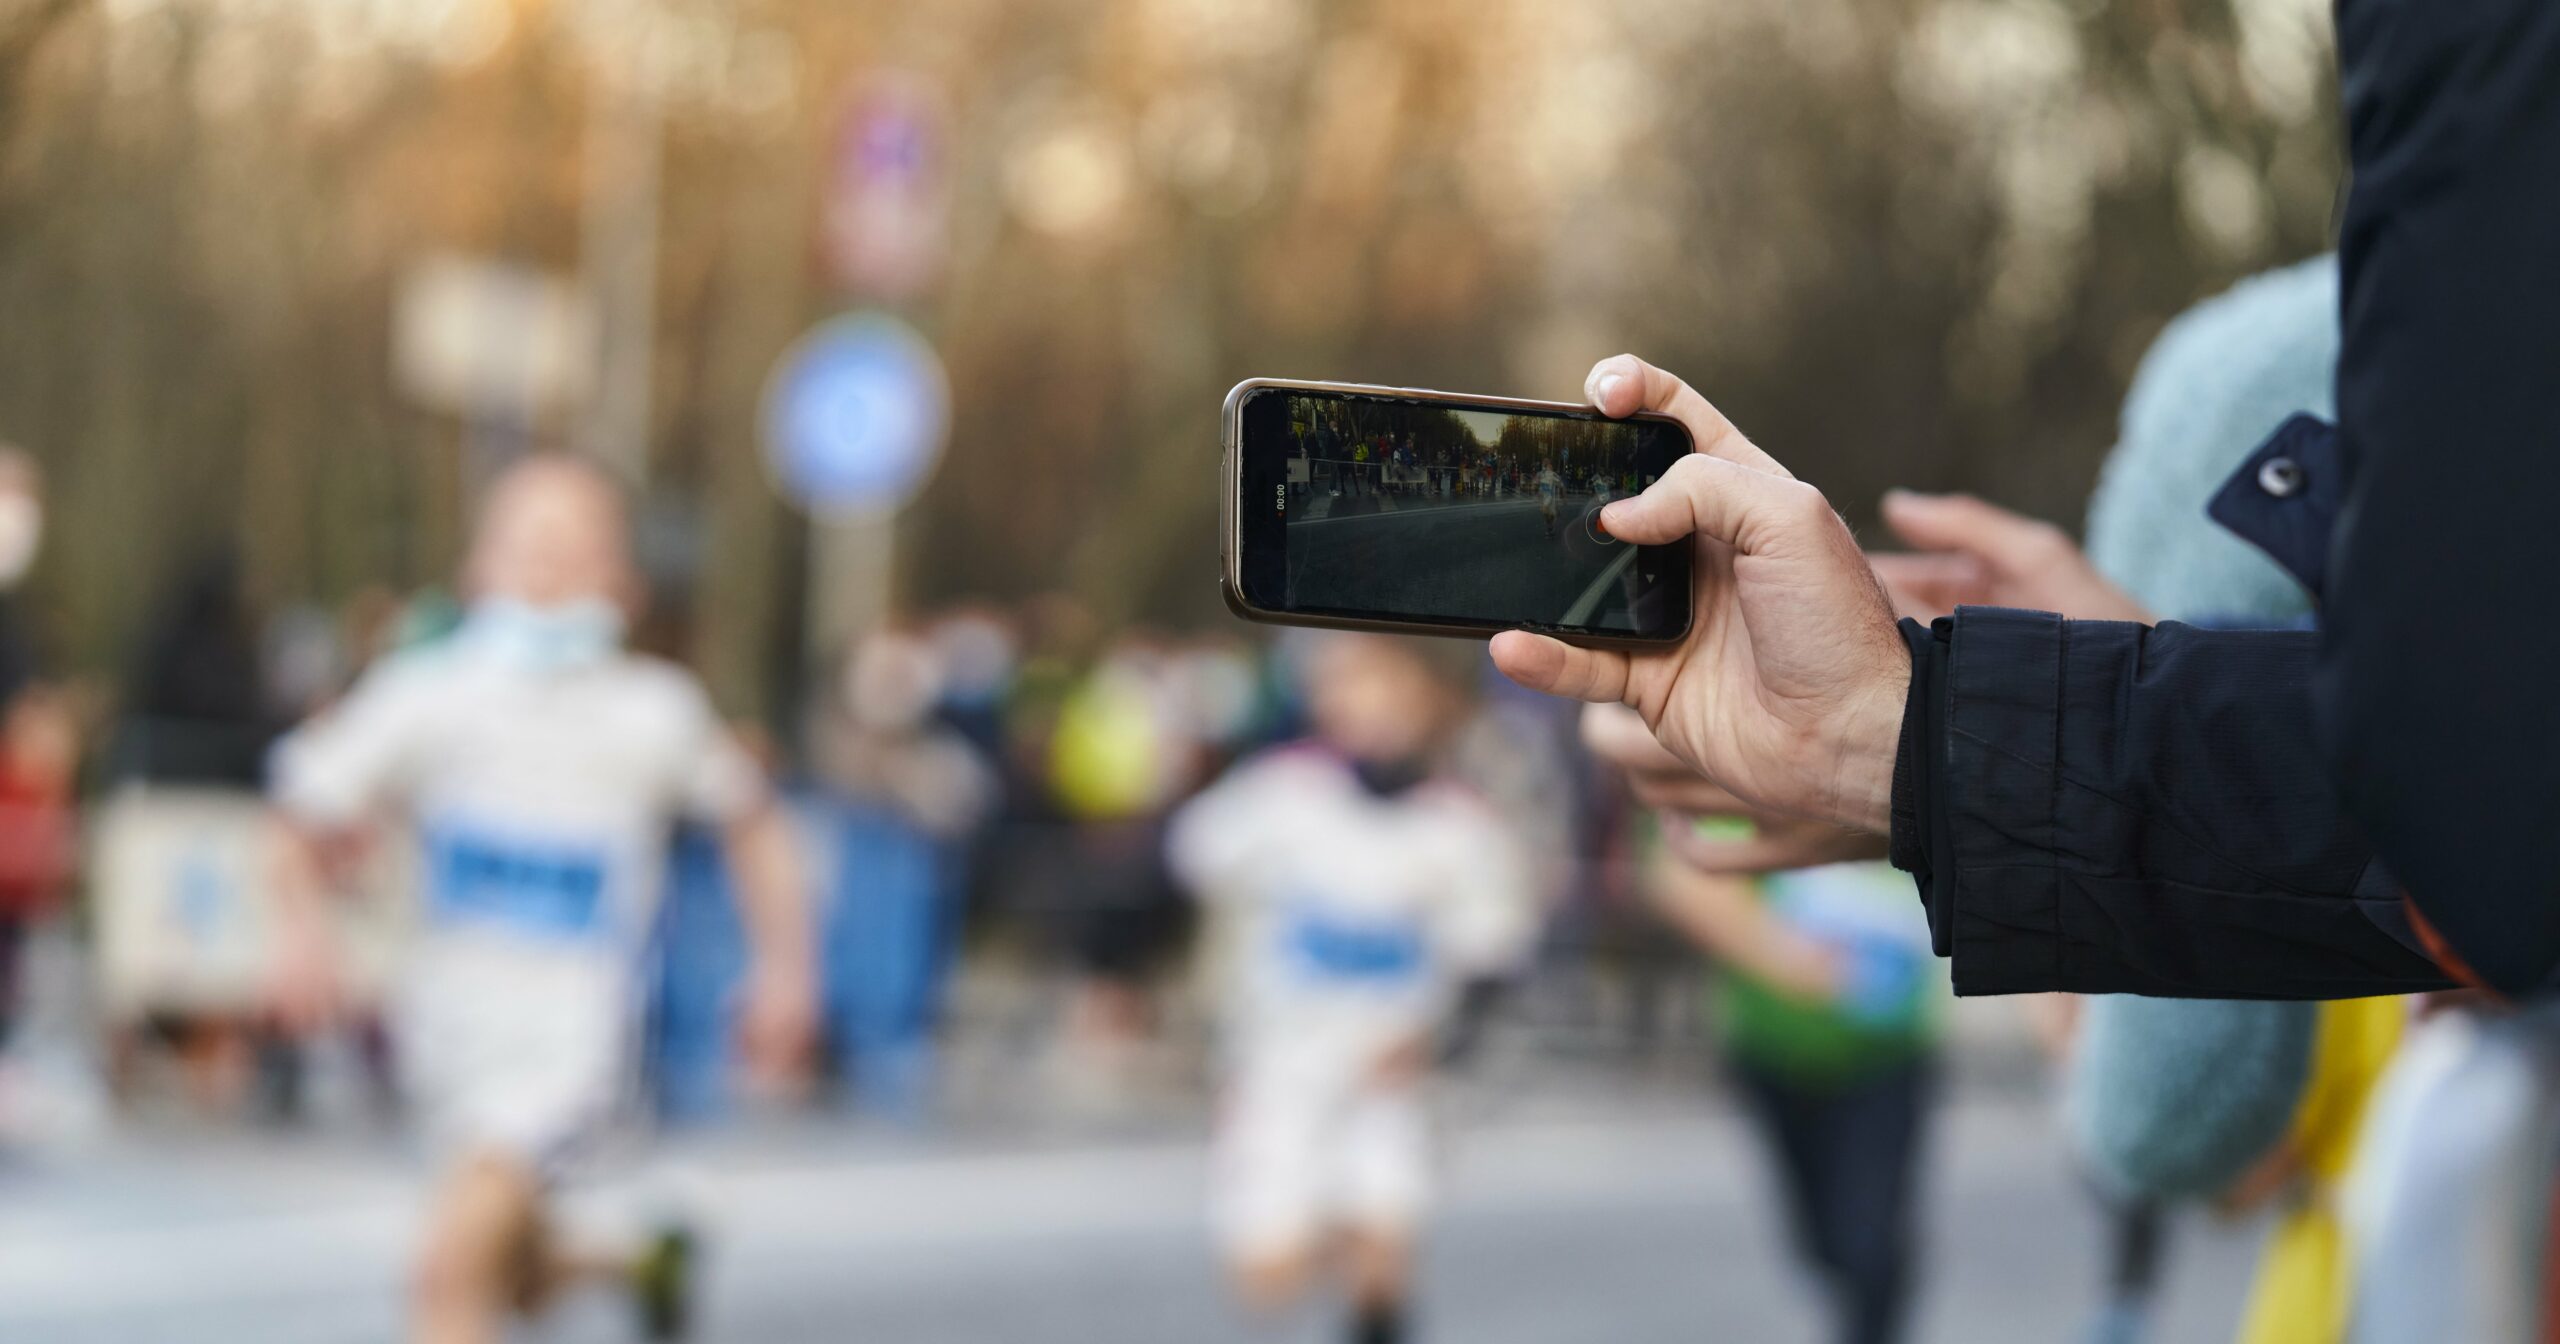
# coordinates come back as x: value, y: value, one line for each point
x: 1790, y: 691
x: 1423, y: 512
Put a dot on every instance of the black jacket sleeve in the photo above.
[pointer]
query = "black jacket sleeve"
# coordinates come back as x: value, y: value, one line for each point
x: 2437, y: 690
x: 2176, y: 811
x: 2101, y: 807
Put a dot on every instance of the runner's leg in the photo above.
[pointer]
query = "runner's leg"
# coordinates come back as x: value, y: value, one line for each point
x: 478, y: 1250
x: 1378, y: 1268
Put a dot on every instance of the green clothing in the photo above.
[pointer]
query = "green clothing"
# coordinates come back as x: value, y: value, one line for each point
x: 1890, y: 1011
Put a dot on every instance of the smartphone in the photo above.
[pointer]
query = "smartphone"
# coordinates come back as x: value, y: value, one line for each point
x: 1394, y: 508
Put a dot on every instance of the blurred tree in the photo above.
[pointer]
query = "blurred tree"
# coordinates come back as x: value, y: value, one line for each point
x: 24, y: 26
x: 1900, y: 241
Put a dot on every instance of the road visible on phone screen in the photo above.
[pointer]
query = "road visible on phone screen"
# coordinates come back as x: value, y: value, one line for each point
x: 1462, y: 559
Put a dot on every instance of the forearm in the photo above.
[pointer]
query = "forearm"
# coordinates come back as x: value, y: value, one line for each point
x: 298, y: 881
x: 2107, y: 807
x: 772, y: 893
x: 1719, y: 914
x: 301, y: 988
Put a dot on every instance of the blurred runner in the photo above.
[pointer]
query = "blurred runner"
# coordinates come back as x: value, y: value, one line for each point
x: 1828, y: 1008
x: 1550, y: 492
x: 1372, y: 901
x: 541, y: 767
x: 1120, y: 756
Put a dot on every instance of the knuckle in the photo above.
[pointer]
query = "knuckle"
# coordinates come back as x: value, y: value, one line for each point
x: 1804, y: 504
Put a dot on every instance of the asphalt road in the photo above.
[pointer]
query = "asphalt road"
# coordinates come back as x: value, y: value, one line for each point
x: 1468, y: 560
x: 1649, y: 1225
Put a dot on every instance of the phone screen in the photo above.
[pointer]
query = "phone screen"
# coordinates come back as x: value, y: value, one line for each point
x: 1385, y: 508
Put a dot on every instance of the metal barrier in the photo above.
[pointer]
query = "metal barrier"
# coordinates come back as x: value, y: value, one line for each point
x: 886, y: 898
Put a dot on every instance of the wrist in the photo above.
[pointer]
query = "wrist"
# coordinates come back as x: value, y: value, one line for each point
x: 1864, y: 740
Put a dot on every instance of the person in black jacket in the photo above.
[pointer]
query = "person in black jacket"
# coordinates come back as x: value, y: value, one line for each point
x: 2110, y: 806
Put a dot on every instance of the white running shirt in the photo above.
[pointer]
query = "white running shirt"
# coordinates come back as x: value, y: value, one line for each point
x: 542, y: 799
x: 1360, y: 915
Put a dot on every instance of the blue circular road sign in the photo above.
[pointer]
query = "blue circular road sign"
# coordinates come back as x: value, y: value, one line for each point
x: 855, y: 415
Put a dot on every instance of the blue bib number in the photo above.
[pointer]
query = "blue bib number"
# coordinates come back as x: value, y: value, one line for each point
x: 501, y: 880
x: 1329, y: 947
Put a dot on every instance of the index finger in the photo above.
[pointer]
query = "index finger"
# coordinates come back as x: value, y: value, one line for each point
x: 1617, y: 734
x: 1927, y: 585
x: 1622, y: 385
x: 1767, y: 850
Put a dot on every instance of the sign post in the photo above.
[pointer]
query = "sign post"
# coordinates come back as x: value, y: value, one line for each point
x: 855, y: 416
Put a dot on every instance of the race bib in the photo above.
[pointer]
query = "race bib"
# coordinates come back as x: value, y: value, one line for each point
x: 483, y: 877
x: 1325, y: 945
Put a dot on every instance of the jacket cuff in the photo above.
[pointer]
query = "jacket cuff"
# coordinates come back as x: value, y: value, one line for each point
x: 1903, y: 843
x: 2001, y: 680
x: 1915, y: 771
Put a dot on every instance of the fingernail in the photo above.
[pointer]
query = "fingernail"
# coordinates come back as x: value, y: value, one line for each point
x: 1600, y: 391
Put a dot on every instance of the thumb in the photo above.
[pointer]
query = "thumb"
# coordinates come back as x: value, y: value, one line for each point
x: 1558, y: 668
x: 1752, y: 511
